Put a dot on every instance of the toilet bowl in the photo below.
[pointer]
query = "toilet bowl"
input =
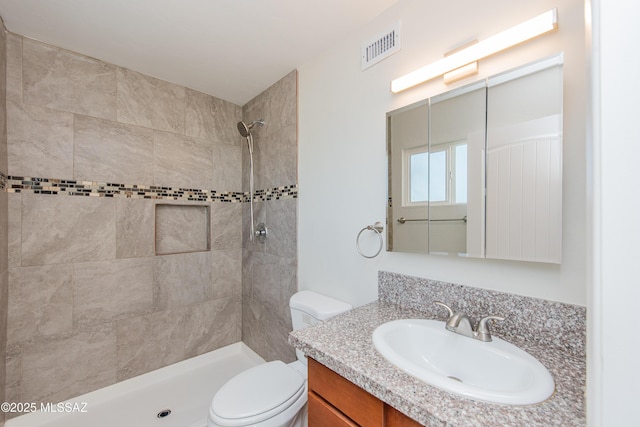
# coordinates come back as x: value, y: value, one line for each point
x: 268, y: 395
x: 273, y: 394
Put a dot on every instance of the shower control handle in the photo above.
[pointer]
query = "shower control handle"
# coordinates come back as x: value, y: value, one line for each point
x: 261, y: 232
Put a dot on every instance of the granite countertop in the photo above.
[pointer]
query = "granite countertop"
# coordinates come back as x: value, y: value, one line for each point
x: 344, y: 345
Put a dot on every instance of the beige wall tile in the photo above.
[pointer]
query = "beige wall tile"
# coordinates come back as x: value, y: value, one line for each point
x: 134, y: 228
x: 110, y: 290
x: 106, y: 151
x: 277, y: 105
x: 276, y: 143
x: 279, y: 161
x: 4, y: 260
x: 181, y: 280
x: 4, y: 240
x: 247, y: 273
x: 14, y: 67
x: 269, y: 270
x: 181, y: 228
x: 194, y: 144
x: 274, y: 282
x: 14, y: 379
x: 58, y: 370
x: 226, y: 274
x: 226, y: 226
x: 40, y: 141
x: 4, y: 235
x: 150, y: 102
x: 181, y: 161
x: 275, y: 157
x: 259, y: 215
x: 260, y: 138
x: 265, y: 332
x: 40, y: 303
x: 266, y: 320
x: 282, y: 220
x: 150, y: 342
x: 14, y: 244
x: 59, y: 229
x: 60, y: 79
x: 227, y: 169
x: 212, y: 324
x: 212, y: 118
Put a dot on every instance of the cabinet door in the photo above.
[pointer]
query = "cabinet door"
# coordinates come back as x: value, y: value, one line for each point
x: 322, y: 414
x: 395, y: 418
x: 351, y: 400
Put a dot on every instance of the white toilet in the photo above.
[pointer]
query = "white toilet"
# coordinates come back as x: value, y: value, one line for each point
x: 274, y: 394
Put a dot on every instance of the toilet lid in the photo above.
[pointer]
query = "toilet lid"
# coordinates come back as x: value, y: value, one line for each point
x: 258, y: 390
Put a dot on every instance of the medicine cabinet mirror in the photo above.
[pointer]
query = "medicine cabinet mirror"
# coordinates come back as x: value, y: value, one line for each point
x: 477, y: 171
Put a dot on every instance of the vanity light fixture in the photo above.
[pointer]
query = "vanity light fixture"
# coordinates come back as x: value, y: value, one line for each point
x: 464, y: 71
x: 522, y: 32
x: 461, y: 73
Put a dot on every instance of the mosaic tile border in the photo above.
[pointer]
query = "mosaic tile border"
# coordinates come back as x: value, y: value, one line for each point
x: 67, y: 187
x: 284, y: 192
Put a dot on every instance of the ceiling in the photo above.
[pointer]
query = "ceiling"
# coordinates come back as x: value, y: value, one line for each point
x: 232, y: 49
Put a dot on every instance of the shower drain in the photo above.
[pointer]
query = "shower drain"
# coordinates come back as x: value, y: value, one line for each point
x: 164, y: 413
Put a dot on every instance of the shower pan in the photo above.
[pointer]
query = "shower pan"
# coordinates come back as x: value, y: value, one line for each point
x: 258, y: 232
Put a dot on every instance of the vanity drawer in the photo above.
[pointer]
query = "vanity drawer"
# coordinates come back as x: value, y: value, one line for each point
x: 351, y: 400
x: 322, y: 414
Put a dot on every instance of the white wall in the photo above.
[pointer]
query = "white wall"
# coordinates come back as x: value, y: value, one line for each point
x: 614, y: 291
x: 343, y: 161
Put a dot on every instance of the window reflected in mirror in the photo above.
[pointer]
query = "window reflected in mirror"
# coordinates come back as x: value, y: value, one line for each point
x: 407, y: 229
x: 416, y: 182
x: 458, y: 131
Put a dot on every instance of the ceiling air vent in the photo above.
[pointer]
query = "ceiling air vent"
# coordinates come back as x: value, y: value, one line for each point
x: 381, y: 47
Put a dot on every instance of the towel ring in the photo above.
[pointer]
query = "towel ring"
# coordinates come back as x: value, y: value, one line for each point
x: 377, y: 227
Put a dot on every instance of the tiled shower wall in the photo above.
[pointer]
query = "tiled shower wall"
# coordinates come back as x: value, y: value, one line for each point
x: 90, y: 303
x: 269, y: 274
x: 4, y: 286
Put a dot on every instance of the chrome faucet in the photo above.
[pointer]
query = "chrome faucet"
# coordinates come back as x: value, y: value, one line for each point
x: 460, y: 323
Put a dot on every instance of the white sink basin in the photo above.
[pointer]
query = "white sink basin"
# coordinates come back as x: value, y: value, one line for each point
x: 495, y: 371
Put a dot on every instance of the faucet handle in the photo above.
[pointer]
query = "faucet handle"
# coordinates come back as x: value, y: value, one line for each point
x: 453, y: 321
x: 482, y: 331
x: 449, y: 309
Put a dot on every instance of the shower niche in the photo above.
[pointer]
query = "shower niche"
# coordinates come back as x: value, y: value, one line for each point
x: 181, y: 229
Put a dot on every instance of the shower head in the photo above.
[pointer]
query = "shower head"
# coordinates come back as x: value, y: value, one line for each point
x: 245, y: 129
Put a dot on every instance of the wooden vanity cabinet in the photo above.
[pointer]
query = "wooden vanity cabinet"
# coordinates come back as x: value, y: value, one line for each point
x: 336, y: 402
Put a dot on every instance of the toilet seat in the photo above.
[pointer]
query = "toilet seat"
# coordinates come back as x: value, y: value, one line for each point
x: 257, y: 394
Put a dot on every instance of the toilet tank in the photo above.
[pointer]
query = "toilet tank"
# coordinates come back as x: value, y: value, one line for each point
x: 308, y: 308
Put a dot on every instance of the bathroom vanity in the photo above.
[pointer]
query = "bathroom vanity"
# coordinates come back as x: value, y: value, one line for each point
x: 335, y: 401
x: 351, y: 384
